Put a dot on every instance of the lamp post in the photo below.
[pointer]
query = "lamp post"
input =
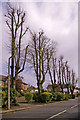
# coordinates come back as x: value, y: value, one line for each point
x: 9, y: 83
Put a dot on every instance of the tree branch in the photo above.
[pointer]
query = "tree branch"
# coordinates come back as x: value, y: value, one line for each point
x: 8, y: 25
x: 24, y: 59
x: 24, y: 32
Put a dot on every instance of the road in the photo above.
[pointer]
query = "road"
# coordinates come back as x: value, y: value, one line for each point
x: 64, y: 110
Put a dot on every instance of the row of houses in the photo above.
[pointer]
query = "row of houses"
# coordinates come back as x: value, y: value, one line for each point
x: 58, y: 89
x: 22, y: 86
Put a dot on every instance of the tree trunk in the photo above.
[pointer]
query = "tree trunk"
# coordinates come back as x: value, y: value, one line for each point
x: 13, y: 51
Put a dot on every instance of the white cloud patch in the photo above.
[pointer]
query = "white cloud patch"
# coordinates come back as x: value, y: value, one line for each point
x: 29, y: 78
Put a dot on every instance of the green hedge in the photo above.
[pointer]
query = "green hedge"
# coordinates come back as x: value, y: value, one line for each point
x: 28, y: 96
x: 36, y: 97
x: 13, y: 95
x: 66, y: 96
x: 60, y: 96
x: 78, y: 94
x: 72, y: 96
x: 46, y: 97
x: 54, y: 96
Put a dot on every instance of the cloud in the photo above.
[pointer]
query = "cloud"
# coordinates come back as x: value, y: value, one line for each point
x: 29, y: 78
x: 60, y: 23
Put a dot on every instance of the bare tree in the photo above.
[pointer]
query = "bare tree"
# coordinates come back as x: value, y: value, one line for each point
x: 15, y: 22
x: 73, y: 82
x: 60, y: 73
x: 37, y: 56
x: 67, y: 77
x: 52, y: 71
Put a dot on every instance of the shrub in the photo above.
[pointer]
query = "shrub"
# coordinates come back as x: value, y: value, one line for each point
x: 13, y: 95
x: 23, y: 94
x: 60, y: 96
x: 54, y: 96
x: 66, y: 96
x: 36, y: 97
x: 44, y: 90
x: 46, y: 97
x: 3, y: 98
x: 28, y: 96
x: 78, y: 94
x: 72, y: 96
x: 75, y: 94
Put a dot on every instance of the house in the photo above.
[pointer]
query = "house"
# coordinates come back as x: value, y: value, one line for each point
x: 32, y: 89
x: 57, y: 88
x: 3, y: 80
x: 20, y: 85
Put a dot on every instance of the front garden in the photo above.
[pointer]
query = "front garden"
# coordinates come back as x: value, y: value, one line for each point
x: 44, y: 97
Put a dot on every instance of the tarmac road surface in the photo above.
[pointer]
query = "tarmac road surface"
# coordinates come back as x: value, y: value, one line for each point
x: 65, y: 110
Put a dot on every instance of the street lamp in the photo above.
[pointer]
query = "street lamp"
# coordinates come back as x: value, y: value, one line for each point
x: 9, y: 83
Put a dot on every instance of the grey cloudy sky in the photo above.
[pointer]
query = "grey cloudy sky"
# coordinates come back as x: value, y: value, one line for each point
x: 59, y: 20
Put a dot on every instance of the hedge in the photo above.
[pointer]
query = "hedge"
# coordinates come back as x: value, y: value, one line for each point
x: 46, y: 97
x: 36, y: 97
x: 28, y: 96
x: 72, y: 96
x: 60, y: 96
x: 13, y: 95
x: 54, y: 96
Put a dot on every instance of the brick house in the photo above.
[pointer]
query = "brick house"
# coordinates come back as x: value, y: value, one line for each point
x: 3, y: 81
x: 57, y: 89
x: 20, y: 85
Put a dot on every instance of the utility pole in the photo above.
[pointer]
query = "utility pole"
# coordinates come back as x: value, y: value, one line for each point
x: 9, y: 81
x: 9, y: 84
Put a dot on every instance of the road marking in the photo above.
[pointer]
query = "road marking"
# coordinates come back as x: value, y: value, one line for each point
x: 56, y: 115
x: 74, y: 106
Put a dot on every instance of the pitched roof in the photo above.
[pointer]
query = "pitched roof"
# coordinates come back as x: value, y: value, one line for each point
x: 25, y: 83
x: 3, y: 77
x: 77, y: 88
x: 32, y: 88
x: 20, y: 81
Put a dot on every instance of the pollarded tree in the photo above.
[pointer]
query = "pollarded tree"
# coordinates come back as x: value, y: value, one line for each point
x: 67, y: 77
x: 60, y: 73
x: 15, y: 22
x: 37, y: 56
x: 52, y: 70
x: 73, y: 82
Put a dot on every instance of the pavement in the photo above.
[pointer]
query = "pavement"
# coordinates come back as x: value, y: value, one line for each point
x: 60, y: 110
x: 27, y: 106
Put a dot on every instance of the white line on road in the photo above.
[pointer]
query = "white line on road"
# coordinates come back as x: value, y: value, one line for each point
x: 56, y: 115
x: 74, y: 106
x: 60, y: 112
